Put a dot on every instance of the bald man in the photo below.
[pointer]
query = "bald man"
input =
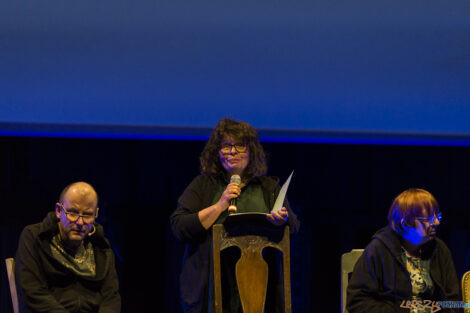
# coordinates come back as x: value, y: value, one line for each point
x: 65, y: 264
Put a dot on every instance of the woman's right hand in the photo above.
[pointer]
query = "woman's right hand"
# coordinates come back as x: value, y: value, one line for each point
x: 209, y: 215
x: 232, y: 191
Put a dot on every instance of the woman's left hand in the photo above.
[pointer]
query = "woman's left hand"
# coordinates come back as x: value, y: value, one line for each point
x: 278, y: 218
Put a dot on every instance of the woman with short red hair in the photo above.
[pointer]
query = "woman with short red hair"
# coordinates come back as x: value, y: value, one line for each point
x: 405, y: 260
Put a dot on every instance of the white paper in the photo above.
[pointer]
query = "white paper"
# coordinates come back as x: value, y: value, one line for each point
x: 282, y: 194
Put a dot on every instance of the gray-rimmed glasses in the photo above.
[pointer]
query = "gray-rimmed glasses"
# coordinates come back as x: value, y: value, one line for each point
x: 73, y: 217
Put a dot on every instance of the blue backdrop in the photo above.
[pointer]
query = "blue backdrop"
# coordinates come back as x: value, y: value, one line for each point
x: 368, y: 65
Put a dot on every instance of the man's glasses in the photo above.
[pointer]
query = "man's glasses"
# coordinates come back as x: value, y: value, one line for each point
x: 73, y: 217
x: 432, y: 219
x: 227, y: 148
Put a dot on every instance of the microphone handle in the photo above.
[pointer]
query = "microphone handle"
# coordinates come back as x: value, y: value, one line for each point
x: 232, y: 208
x: 233, y: 202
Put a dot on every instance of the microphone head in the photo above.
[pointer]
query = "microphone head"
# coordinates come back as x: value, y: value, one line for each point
x: 236, y: 179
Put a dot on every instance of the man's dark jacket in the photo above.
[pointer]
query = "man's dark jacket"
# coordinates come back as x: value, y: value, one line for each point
x: 45, y: 285
x: 380, y: 281
x: 195, y: 273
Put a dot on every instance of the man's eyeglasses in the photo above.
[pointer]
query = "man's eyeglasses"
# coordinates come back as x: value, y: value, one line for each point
x: 432, y: 219
x: 227, y: 148
x: 73, y: 217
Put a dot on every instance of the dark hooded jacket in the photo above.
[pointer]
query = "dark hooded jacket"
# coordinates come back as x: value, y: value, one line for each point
x: 380, y: 282
x: 195, y: 273
x: 45, y: 285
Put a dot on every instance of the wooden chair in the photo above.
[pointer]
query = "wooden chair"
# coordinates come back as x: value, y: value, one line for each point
x: 466, y: 290
x: 348, y: 260
x: 10, y: 264
x: 251, y: 270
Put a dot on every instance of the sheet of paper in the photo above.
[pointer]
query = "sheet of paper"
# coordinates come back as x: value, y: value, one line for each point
x: 282, y: 194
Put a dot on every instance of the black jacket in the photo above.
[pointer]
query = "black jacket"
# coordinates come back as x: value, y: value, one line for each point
x: 195, y: 273
x: 380, y: 281
x: 45, y: 285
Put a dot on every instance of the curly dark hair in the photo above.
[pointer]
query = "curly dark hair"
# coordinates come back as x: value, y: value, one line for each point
x: 210, y: 161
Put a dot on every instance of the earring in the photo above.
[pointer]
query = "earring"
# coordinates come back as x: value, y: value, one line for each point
x: 93, y: 231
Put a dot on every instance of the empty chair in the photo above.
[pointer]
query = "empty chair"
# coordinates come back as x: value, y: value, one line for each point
x: 348, y: 260
x: 10, y: 264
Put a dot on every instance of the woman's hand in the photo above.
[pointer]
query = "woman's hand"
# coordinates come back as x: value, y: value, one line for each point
x: 278, y: 218
x: 232, y: 191
x: 209, y: 215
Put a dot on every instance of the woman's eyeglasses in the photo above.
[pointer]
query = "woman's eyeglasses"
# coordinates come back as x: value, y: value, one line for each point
x: 227, y: 148
x: 432, y: 219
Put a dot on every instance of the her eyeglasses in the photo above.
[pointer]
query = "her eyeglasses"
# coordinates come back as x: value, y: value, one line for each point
x: 431, y: 219
x: 227, y: 148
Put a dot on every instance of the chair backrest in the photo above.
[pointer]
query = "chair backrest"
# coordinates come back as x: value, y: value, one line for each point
x: 251, y: 270
x: 10, y: 264
x: 466, y: 290
x: 348, y: 260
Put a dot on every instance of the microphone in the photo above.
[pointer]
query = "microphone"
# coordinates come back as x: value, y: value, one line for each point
x: 233, y: 202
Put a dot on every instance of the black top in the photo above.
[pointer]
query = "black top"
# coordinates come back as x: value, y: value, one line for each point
x: 195, y: 273
x: 46, y: 285
x: 380, y: 281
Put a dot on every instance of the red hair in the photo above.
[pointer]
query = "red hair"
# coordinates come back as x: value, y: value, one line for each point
x: 410, y: 204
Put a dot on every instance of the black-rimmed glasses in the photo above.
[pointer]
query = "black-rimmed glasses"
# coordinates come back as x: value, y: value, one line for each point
x: 432, y: 219
x: 73, y: 217
x: 227, y: 148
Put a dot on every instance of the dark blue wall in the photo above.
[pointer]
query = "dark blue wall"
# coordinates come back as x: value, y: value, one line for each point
x: 341, y: 194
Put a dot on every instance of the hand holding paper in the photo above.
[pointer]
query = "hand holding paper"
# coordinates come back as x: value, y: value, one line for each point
x: 278, y: 218
x: 279, y: 215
